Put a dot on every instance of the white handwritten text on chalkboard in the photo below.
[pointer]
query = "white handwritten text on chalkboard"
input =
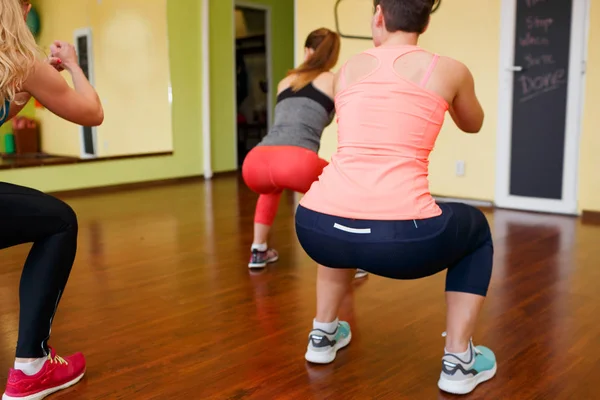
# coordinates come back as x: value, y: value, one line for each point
x: 530, y: 40
x: 533, y: 86
x: 539, y: 23
x: 544, y: 59
x: 533, y: 3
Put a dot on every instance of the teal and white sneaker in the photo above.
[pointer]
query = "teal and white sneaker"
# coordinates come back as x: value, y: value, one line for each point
x: 462, y: 376
x: 323, y: 346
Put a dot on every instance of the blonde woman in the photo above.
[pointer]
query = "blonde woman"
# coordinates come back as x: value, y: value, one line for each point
x: 29, y: 216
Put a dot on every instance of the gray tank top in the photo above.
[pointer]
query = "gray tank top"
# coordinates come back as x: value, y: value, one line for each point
x: 300, y: 118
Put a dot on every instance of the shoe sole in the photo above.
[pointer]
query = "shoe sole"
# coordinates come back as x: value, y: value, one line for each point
x: 262, y: 265
x: 326, y: 357
x: 47, y: 392
x: 465, y: 386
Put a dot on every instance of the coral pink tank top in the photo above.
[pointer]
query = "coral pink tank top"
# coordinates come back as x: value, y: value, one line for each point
x: 387, y: 127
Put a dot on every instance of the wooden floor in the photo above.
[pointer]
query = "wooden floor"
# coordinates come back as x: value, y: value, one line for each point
x: 163, y: 305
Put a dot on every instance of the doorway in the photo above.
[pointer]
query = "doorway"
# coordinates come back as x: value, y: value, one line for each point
x: 253, y: 76
x: 543, y: 50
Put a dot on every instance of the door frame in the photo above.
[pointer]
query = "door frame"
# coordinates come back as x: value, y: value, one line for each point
x: 270, y: 83
x: 206, y: 120
x: 575, y: 97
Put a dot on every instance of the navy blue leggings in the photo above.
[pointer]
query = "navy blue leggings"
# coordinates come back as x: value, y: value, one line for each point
x: 459, y: 240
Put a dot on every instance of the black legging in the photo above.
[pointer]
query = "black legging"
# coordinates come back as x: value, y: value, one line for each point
x: 458, y: 240
x: 26, y: 216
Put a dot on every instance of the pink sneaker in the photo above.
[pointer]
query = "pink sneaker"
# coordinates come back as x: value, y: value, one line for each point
x: 56, y: 374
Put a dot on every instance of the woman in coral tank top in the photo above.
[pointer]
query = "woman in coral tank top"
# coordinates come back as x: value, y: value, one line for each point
x: 372, y: 209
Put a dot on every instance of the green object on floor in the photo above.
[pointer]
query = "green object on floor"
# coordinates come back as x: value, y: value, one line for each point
x: 9, y: 143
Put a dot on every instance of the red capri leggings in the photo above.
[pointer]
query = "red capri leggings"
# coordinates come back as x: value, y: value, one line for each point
x: 268, y: 170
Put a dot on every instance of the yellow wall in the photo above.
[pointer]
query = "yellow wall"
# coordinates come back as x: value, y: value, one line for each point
x: 185, y: 35
x: 131, y: 66
x: 589, y: 165
x: 184, y: 23
x: 474, y: 41
x: 59, y: 136
x: 447, y: 38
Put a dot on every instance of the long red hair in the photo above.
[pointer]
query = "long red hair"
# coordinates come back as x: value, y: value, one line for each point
x: 326, y: 46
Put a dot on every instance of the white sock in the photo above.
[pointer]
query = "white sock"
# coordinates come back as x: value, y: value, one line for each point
x: 328, y: 327
x: 31, y: 368
x: 259, y: 247
x: 463, y: 356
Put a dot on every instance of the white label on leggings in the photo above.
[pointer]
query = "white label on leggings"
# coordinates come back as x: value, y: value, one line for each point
x: 364, y: 231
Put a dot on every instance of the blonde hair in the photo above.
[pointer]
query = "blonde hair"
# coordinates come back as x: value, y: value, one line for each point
x: 326, y: 46
x: 18, y: 51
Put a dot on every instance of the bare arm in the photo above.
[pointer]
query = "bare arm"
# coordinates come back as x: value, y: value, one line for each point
x: 22, y: 98
x: 80, y: 105
x: 336, y: 81
x: 465, y: 109
x: 282, y: 85
x: 17, y: 105
x: 326, y: 83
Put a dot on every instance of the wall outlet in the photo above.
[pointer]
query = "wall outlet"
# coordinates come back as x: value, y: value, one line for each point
x: 106, y: 146
x: 460, y: 168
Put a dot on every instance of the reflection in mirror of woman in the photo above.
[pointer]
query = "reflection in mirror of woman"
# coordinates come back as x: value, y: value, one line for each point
x: 138, y: 85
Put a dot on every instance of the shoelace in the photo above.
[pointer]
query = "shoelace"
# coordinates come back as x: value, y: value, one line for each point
x: 57, y: 360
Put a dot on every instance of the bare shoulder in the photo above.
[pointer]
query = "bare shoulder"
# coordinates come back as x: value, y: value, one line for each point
x: 284, y: 83
x: 324, y: 82
x: 455, y: 68
x: 326, y: 78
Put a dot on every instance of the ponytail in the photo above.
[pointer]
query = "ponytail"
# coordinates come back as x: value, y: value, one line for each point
x: 326, y: 46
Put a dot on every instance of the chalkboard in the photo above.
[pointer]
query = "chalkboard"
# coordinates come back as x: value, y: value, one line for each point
x: 82, y: 52
x: 542, y: 42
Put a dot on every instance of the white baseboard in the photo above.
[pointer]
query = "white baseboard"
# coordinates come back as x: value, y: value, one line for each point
x: 474, y: 203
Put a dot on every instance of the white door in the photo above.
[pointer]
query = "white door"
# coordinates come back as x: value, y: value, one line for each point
x: 542, y: 69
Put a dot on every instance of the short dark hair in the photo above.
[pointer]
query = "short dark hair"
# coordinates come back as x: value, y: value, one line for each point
x: 406, y: 15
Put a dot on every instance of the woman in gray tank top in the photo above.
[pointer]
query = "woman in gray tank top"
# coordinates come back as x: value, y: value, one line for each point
x: 287, y: 158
